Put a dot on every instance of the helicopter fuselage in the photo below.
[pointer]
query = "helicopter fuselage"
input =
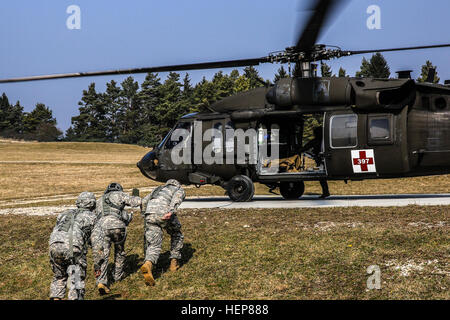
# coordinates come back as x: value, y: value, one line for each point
x: 372, y: 129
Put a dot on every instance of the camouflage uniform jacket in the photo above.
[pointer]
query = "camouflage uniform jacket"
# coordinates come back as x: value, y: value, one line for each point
x: 111, y: 206
x: 160, y: 201
x: 83, y: 224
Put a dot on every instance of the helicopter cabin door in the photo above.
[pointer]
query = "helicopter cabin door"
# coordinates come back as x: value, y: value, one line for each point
x: 364, y: 146
x: 340, y: 139
x: 215, y: 148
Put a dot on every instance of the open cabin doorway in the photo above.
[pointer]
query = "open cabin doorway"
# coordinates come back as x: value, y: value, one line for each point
x: 281, y: 147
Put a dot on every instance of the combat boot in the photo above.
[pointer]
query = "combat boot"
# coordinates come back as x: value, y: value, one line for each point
x: 103, y: 289
x: 174, y: 266
x: 147, y: 272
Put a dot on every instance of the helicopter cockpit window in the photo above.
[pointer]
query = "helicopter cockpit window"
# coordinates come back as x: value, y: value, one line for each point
x: 344, y: 131
x: 172, y: 143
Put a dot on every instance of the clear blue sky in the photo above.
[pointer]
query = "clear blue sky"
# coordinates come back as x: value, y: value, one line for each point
x: 137, y: 33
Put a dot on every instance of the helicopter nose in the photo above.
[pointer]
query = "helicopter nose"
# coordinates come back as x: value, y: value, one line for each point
x: 148, y: 165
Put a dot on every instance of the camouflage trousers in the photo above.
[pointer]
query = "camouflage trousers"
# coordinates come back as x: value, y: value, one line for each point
x: 102, y: 239
x: 61, y: 265
x: 154, y: 237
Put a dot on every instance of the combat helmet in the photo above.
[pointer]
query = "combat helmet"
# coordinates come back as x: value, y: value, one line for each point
x: 113, y: 187
x: 86, y: 200
x: 173, y: 182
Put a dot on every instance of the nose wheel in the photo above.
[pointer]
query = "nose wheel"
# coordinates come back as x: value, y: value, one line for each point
x: 240, y: 189
x: 292, y: 190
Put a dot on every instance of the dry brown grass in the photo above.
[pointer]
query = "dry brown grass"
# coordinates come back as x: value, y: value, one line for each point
x: 33, y: 180
x: 71, y: 152
x: 260, y: 254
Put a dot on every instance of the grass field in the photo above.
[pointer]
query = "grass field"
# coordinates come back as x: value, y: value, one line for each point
x: 260, y: 254
x: 31, y: 170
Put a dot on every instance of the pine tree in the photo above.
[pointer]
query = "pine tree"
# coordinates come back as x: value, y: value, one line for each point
x: 281, y: 73
x: 4, y: 113
x: 325, y: 70
x: 40, y: 114
x: 112, y: 101
x: 223, y: 84
x: 16, y: 118
x: 171, y: 106
x: 150, y: 97
x: 131, y: 111
x: 188, y: 90
x: 377, y: 67
x: 425, y: 69
x: 204, y: 96
x: 70, y: 135
x: 234, y: 74
x: 40, y: 124
x: 242, y: 84
x: 91, y: 124
x: 253, y: 76
x: 342, y: 73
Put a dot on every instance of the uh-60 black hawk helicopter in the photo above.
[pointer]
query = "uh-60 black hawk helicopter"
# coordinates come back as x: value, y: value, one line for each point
x: 372, y: 128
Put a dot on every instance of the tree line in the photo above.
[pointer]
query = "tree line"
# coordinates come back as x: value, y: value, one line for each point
x: 134, y: 113
x: 38, y: 124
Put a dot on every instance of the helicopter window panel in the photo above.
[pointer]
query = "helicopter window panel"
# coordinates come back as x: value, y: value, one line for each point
x: 172, y: 143
x: 380, y: 129
x: 344, y: 131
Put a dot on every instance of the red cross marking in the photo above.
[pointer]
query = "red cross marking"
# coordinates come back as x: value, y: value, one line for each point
x: 363, y: 161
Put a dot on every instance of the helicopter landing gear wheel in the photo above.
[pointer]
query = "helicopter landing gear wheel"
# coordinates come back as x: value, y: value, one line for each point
x: 240, y: 189
x: 292, y: 190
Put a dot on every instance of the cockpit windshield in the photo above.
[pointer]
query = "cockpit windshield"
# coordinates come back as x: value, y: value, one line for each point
x: 186, y: 125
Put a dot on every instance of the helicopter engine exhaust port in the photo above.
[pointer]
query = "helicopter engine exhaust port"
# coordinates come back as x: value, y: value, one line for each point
x: 240, y: 189
x: 292, y: 190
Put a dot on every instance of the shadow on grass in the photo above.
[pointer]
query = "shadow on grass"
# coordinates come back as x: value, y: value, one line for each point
x: 112, y: 297
x: 164, y: 260
x: 132, y: 265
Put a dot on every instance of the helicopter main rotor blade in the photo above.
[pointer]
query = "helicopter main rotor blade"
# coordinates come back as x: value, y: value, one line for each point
x: 321, y: 12
x: 181, y: 67
x: 398, y: 49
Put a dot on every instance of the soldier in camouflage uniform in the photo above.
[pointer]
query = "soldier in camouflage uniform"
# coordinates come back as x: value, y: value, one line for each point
x: 112, y: 221
x: 68, y: 247
x: 159, y: 210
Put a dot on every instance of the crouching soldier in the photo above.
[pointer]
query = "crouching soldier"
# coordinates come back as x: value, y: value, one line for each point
x: 68, y: 248
x: 159, y: 210
x: 111, y: 228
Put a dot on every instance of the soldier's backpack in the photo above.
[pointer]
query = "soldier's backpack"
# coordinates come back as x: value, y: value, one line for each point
x: 108, y: 205
x: 66, y: 224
